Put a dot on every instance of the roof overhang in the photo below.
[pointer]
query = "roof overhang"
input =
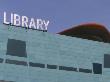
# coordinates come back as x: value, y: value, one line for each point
x: 91, y: 31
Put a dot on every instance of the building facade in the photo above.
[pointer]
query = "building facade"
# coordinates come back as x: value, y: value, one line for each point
x: 28, y: 55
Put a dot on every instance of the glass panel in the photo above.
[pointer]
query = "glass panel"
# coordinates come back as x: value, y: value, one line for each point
x: 37, y: 65
x: 97, y: 68
x: 106, y: 60
x: 67, y: 68
x: 16, y: 62
x: 51, y: 66
x: 16, y: 48
x: 85, y: 70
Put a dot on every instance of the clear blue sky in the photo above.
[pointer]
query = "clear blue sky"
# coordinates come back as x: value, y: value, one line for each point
x: 63, y: 14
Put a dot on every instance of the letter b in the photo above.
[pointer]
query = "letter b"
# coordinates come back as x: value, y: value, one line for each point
x: 16, y: 20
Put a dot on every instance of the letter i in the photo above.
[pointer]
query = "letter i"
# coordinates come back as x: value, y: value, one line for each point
x: 11, y: 18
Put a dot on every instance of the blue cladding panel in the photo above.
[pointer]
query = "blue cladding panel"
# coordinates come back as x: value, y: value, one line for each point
x: 56, y: 50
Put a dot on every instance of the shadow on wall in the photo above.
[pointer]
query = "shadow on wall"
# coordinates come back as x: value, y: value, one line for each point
x: 91, y: 31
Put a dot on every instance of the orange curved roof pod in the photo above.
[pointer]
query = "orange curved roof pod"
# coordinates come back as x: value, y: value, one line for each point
x: 89, y: 31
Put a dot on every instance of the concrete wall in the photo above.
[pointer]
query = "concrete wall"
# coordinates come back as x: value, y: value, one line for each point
x: 57, y: 50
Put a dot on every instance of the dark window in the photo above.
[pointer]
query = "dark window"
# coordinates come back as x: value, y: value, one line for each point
x: 5, y: 81
x: 37, y: 65
x: 97, y: 68
x: 16, y: 48
x: 85, y: 70
x: 1, y: 60
x: 51, y: 66
x: 16, y: 62
x: 107, y: 61
x: 2, y: 81
x: 67, y: 68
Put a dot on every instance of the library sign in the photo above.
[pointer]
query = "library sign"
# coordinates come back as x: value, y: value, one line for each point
x: 15, y: 19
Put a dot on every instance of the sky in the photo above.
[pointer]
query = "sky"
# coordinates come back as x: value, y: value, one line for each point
x: 62, y: 14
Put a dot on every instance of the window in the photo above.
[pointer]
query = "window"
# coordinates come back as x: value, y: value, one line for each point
x: 1, y: 60
x: 97, y: 68
x: 67, y: 68
x: 85, y: 70
x: 16, y: 48
x: 51, y: 66
x: 16, y: 62
x: 37, y: 65
x: 2, y: 81
x: 106, y: 60
x: 5, y: 81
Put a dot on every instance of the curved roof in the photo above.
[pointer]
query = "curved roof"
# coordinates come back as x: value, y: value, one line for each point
x: 89, y: 31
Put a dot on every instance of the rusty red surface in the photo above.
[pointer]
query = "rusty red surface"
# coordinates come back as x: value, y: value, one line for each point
x: 91, y: 31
